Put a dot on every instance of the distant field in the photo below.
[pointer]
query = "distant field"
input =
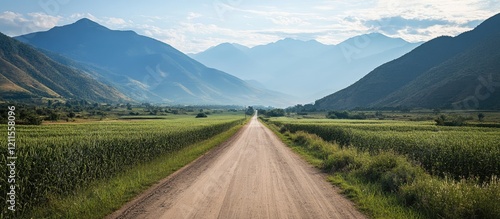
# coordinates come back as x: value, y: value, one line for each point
x: 58, y: 159
x: 415, y: 115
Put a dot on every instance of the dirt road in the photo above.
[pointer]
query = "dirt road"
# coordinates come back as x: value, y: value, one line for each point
x: 254, y: 175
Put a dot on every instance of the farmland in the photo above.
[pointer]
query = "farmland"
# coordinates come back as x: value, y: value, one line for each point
x: 59, y: 159
x: 436, y: 171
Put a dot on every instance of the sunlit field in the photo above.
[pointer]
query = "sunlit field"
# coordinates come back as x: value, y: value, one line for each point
x: 64, y: 157
x: 439, y: 171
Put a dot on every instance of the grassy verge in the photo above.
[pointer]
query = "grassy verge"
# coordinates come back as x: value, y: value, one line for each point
x: 388, y: 185
x: 369, y: 198
x: 105, y: 196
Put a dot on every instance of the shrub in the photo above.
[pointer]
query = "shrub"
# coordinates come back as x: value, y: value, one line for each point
x: 379, y: 165
x: 201, y: 115
x: 480, y: 117
x: 337, y: 115
x: 274, y: 113
x: 345, y: 161
x: 317, y: 146
x: 33, y: 120
x: 300, y: 139
x: 53, y: 116
x: 401, y: 175
x: 451, y: 199
x: 453, y: 121
x: 283, y: 129
x: 360, y: 116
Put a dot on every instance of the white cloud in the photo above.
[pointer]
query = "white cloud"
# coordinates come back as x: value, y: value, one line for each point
x: 196, y: 37
x: 110, y: 22
x: 78, y: 16
x: 44, y: 21
x: 422, y: 20
x: 115, y: 21
x: 13, y: 24
x: 192, y: 15
x: 329, y: 22
x: 286, y: 21
x: 11, y: 17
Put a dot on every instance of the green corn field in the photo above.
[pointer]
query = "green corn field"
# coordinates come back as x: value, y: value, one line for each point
x: 433, y: 172
x: 460, y: 152
x: 58, y: 159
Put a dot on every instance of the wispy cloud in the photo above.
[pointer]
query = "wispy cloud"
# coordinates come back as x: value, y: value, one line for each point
x: 196, y: 37
x: 115, y: 21
x: 193, y: 15
x: 391, y: 25
x: 287, y: 21
x: 110, y: 22
x: 12, y: 23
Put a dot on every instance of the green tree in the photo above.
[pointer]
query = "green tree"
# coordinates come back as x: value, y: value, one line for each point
x: 275, y: 113
x: 480, y: 116
x: 337, y: 115
x: 53, y: 116
x: 250, y: 110
x: 71, y: 115
x: 33, y: 120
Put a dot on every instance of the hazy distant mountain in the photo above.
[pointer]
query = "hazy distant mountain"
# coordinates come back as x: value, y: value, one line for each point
x: 446, y: 72
x: 229, y: 58
x: 27, y: 73
x: 307, y: 69
x: 147, y: 69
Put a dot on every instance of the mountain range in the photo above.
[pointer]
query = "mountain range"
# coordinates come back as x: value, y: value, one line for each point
x: 26, y: 73
x: 461, y: 72
x: 306, y: 69
x: 145, y: 69
x: 85, y: 60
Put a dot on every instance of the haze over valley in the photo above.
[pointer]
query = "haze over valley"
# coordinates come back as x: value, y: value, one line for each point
x: 307, y: 70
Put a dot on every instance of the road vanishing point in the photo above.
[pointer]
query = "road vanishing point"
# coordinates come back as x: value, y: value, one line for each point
x: 252, y: 175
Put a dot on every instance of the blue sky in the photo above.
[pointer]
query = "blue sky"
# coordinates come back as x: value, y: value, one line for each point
x: 193, y: 26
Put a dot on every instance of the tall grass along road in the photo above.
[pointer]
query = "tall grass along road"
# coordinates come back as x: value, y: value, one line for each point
x: 253, y: 175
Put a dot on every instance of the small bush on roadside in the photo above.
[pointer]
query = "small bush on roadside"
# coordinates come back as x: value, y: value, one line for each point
x: 344, y: 161
x: 451, y: 199
x: 283, y: 129
x: 300, y: 139
x: 315, y: 144
x: 404, y: 173
x: 378, y: 166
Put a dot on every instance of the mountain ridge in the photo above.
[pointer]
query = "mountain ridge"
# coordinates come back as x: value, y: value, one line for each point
x: 27, y: 73
x: 386, y: 80
x: 147, y: 69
